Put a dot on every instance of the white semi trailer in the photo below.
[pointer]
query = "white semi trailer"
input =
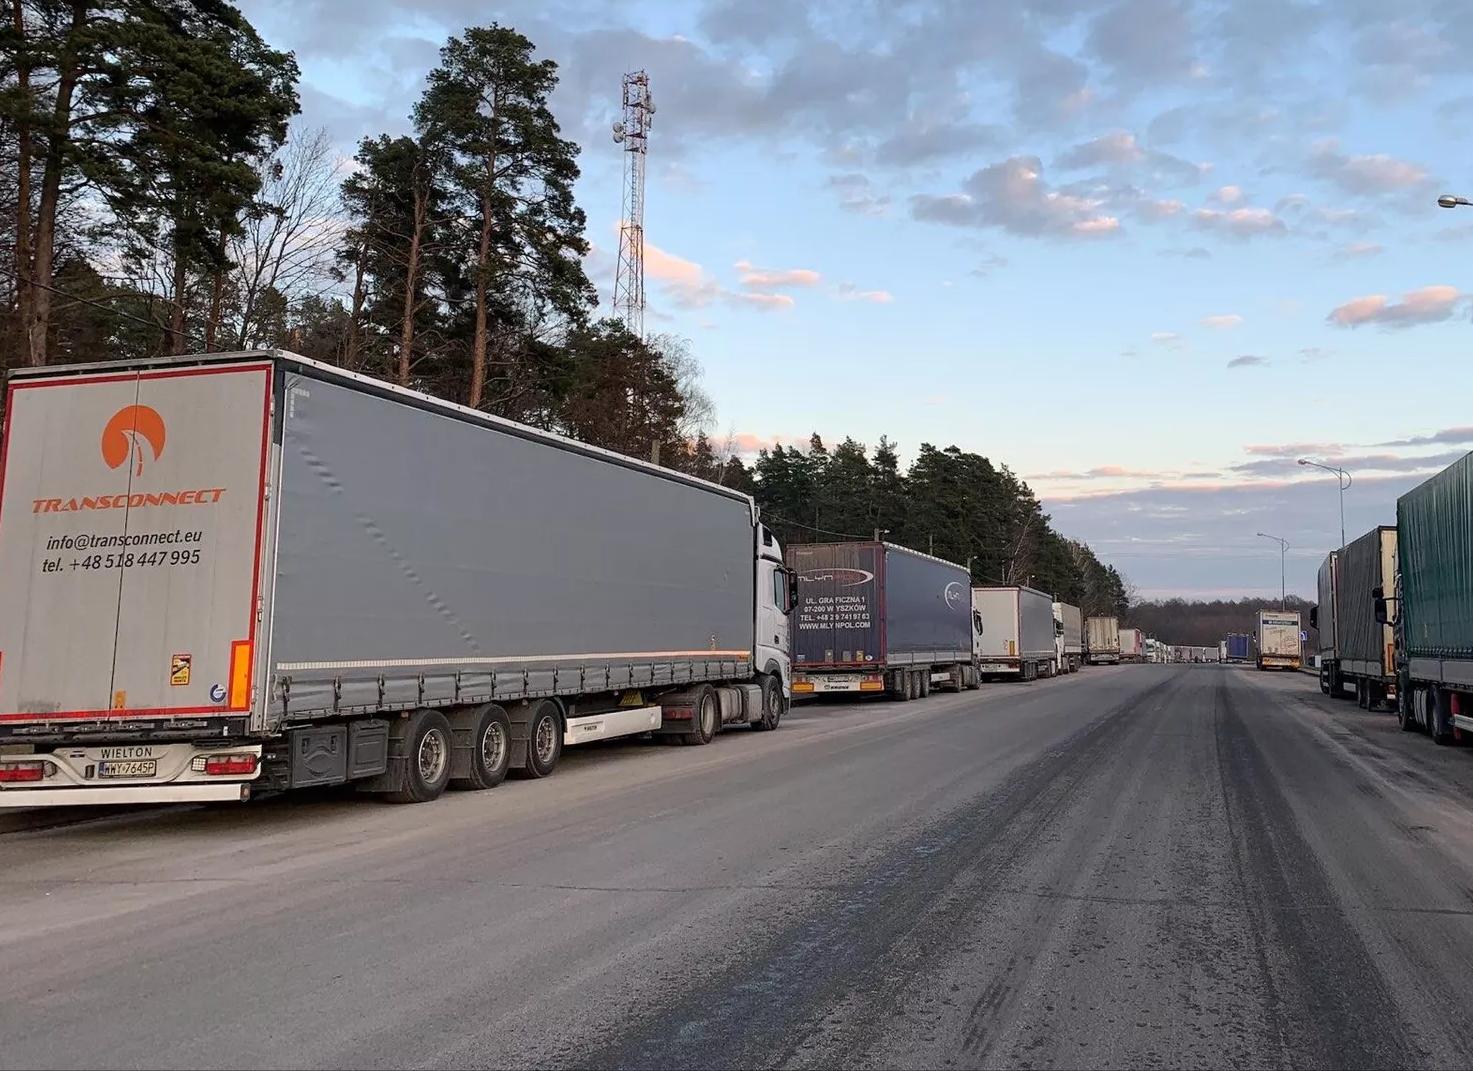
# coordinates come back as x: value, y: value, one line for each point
x: 1015, y: 635
x: 234, y: 573
x: 1069, y: 639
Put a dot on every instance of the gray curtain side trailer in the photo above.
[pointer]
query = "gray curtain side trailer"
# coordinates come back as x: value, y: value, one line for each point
x: 1365, y: 648
x: 296, y: 576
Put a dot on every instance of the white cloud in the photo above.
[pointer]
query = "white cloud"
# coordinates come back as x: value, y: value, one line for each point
x: 755, y: 278
x: 1222, y: 321
x: 1013, y: 196
x: 1242, y: 222
x: 690, y: 286
x: 850, y: 292
x: 1376, y: 174
x: 1430, y: 304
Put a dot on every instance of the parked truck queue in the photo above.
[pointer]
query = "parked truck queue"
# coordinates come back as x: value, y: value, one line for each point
x: 1395, y: 610
x: 237, y: 576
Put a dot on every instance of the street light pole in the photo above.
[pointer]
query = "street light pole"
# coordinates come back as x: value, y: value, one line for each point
x: 1283, y: 550
x: 1343, y: 479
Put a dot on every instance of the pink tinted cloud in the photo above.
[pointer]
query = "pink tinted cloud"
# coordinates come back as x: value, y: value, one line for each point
x: 755, y: 278
x: 1430, y: 304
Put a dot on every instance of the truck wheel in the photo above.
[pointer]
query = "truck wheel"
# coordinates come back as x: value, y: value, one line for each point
x: 774, y: 704
x: 483, y: 734
x: 902, y: 687
x: 923, y: 677
x: 705, y: 717
x: 974, y: 679
x: 544, y: 739
x: 1405, y: 717
x: 422, y: 740
x: 1435, y: 726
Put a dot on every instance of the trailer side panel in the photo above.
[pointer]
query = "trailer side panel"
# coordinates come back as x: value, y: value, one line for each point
x: 425, y: 559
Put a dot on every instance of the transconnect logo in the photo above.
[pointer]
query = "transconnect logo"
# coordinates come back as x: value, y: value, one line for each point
x: 128, y: 431
x: 132, y: 439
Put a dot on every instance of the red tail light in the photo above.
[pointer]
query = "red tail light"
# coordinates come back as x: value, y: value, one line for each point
x: 16, y: 772
x: 224, y: 765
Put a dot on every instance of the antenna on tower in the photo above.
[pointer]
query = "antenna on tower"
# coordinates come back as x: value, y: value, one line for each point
x: 633, y: 133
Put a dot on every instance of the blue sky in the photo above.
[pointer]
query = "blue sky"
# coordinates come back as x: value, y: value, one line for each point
x: 1144, y: 252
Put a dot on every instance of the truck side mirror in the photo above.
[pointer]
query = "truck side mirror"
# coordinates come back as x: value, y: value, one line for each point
x: 1058, y: 628
x: 792, y: 592
x: 1314, y: 617
x: 1381, y: 616
x: 977, y: 621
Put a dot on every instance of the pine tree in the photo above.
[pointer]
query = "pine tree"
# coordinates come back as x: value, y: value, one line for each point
x: 511, y: 173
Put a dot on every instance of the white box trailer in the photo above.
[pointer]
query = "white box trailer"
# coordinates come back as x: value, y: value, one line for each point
x: 1102, y: 640
x: 1278, y: 639
x: 1069, y: 642
x: 232, y: 573
x: 1015, y: 633
x: 1132, y: 645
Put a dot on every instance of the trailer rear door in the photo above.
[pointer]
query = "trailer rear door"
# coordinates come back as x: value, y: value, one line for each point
x: 132, y: 508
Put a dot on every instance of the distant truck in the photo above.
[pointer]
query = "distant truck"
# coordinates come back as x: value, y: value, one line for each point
x: 879, y: 618
x: 1016, y: 636
x: 1238, y: 647
x: 1069, y: 642
x: 1132, y: 645
x: 233, y: 573
x: 1278, y: 642
x: 1364, y: 658
x: 1433, y: 603
x: 1324, y: 617
x: 1102, y: 640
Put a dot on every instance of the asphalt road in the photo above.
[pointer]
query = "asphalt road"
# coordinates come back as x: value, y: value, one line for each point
x: 1143, y: 866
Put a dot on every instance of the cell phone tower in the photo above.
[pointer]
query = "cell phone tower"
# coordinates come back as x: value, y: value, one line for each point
x: 633, y: 133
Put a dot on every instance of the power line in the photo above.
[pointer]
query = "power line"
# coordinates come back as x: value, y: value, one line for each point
x: 95, y: 304
x: 820, y: 531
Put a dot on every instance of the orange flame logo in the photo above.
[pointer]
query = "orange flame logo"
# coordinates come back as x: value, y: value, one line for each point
x: 126, y: 433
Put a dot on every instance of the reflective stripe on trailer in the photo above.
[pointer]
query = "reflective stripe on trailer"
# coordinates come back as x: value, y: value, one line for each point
x: 124, y: 794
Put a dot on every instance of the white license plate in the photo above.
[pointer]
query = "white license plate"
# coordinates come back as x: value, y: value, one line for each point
x: 128, y: 768
x: 995, y: 667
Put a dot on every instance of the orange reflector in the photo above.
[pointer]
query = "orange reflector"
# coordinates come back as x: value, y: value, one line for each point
x: 871, y: 686
x: 240, y: 674
x: 802, y: 686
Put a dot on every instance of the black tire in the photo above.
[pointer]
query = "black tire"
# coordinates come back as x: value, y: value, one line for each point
x: 544, y: 739
x: 1404, y: 716
x: 904, y: 692
x: 774, y: 704
x: 1435, y: 726
x: 422, y: 741
x: 924, y: 678
x: 485, y: 735
x: 705, y: 717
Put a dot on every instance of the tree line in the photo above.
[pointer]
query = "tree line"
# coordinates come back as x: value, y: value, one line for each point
x: 1205, y: 624
x: 158, y: 196
x: 948, y: 502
